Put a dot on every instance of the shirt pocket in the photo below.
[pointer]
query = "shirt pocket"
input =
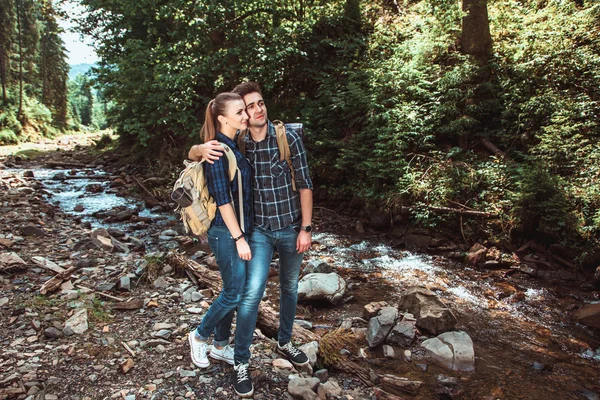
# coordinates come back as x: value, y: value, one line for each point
x: 279, y: 168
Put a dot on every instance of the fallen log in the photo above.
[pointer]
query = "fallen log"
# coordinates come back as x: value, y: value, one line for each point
x: 65, y: 164
x: 492, y: 148
x: 448, y: 210
x: 268, y: 319
x: 54, y: 283
x: 89, y: 177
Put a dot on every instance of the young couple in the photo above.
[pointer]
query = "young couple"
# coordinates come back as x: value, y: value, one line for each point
x: 275, y: 218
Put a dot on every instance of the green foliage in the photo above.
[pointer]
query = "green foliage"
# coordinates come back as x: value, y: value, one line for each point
x: 541, y: 206
x: 395, y: 113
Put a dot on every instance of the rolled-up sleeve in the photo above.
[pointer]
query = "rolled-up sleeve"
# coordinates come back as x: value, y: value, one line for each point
x: 298, y: 157
x: 217, y: 177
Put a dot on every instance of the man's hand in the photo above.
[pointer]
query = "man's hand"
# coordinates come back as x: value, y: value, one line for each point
x: 210, y: 151
x: 303, y: 242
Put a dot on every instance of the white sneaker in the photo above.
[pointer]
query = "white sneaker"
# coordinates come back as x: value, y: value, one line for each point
x: 198, y: 351
x: 224, y: 354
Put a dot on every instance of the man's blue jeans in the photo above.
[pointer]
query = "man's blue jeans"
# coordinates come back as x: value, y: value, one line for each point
x: 263, y: 243
x: 233, y: 273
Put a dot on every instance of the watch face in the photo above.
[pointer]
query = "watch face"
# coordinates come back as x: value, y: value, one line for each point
x: 307, y: 228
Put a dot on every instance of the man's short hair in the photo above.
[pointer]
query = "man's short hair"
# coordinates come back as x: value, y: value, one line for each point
x: 246, y: 88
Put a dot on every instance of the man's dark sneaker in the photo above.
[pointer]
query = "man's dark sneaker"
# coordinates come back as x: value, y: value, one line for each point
x: 295, y: 355
x: 243, y: 384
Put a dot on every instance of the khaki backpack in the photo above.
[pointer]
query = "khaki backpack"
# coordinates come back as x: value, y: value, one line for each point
x: 190, y: 192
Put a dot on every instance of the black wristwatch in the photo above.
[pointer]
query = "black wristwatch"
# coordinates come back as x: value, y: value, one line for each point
x: 307, y: 228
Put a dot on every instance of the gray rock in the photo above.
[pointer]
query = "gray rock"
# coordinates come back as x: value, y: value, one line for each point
x: 311, y: 349
x: 52, y: 333
x: 330, y: 287
x: 388, y: 351
x: 118, y: 246
x: 332, y: 388
x: 304, y: 388
x: 452, y: 350
x: 430, y: 312
x: 196, y: 296
x: 3, y: 301
x: 404, y: 332
x: 77, y: 324
x: 323, y: 375
x: 163, y: 334
x: 125, y: 284
x: 183, y: 372
x: 380, y: 326
x: 160, y: 283
x: 106, y: 287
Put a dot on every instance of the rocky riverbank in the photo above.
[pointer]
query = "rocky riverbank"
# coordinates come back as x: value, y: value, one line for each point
x: 92, y: 305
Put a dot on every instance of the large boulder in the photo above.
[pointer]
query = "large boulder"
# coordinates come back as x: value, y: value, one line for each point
x: 452, y: 350
x: 330, y: 287
x: 428, y: 309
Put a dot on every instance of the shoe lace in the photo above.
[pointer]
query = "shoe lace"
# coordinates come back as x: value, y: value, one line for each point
x: 289, y: 347
x: 201, y: 350
x: 242, y: 372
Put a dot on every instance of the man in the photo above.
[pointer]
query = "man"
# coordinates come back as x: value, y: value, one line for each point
x: 282, y: 222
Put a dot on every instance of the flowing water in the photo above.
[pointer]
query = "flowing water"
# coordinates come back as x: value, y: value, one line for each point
x: 526, y: 346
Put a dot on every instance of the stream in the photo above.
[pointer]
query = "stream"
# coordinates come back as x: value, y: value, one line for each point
x: 526, y: 346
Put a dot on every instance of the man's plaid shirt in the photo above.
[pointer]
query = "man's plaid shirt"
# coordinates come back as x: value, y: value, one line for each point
x: 276, y: 205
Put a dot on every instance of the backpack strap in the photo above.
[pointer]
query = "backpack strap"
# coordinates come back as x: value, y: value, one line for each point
x: 233, y: 168
x: 284, y: 149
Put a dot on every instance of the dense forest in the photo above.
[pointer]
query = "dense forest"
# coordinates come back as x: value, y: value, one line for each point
x: 443, y: 111
x: 33, y: 71
x: 38, y: 99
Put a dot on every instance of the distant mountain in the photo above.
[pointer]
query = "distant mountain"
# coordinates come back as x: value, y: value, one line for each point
x: 79, y: 69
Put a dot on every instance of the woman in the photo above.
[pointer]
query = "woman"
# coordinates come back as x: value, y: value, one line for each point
x: 225, y: 116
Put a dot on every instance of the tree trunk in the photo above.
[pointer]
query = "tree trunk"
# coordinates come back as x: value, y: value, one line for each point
x: 475, y: 38
x: 3, y: 73
x: 20, y: 61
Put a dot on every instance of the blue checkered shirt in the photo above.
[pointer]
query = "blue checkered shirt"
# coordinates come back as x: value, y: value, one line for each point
x: 276, y: 205
x: 222, y: 190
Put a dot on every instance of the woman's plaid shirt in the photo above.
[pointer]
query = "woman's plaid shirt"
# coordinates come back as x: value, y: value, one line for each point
x: 276, y: 205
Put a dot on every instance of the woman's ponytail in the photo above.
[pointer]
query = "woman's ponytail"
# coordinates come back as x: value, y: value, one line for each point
x: 216, y: 107
x: 209, y: 129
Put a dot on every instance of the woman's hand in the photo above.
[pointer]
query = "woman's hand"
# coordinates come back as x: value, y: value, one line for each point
x: 243, y: 249
x: 210, y: 151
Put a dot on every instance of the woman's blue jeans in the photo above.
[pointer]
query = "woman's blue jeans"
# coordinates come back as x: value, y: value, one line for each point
x: 263, y: 243
x: 219, y: 316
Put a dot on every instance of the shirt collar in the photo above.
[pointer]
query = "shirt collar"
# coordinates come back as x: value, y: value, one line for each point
x: 271, y: 129
x: 224, y: 139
